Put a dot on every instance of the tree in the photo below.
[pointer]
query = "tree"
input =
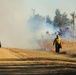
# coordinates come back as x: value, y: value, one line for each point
x: 48, y: 19
x: 61, y: 20
x: 57, y: 18
x: 64, y: 20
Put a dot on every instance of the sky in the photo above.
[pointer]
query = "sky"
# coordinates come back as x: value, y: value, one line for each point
x: 48, y: 7
x: 14, y: 15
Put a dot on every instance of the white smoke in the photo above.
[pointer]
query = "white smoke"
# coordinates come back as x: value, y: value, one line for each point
x: 18, y: 30
x: 40, y: 30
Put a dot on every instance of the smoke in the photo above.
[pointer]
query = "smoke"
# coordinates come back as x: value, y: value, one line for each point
x: 43, y: 32
x: 18, y: 30
x: 40, y: 30
x: 13, y: 24
x: 35, y: 26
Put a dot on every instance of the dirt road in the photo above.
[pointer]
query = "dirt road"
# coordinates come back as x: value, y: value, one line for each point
x: 28, y: 62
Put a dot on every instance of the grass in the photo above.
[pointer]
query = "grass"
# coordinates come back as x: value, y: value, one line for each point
x: 15, y: 61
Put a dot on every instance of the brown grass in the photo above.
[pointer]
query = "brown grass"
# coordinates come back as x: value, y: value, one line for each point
x: 69, y: 48
x: 33, y: 62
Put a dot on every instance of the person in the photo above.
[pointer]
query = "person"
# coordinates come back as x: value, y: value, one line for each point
x: 0, y: 44
x: 57, y: 43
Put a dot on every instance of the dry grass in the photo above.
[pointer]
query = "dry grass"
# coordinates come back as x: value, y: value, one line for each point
x: 69, y: 48
x: 38, y: 62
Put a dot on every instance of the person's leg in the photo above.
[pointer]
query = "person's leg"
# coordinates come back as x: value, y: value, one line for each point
x: 56, y: 48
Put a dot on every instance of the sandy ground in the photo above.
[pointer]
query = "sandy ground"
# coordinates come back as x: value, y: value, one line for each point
x: 32, y: 62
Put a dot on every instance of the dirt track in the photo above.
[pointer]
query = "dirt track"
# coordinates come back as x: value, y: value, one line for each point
x: 26, y: 62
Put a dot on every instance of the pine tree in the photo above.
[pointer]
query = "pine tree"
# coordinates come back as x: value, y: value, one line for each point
x: 61, y: 20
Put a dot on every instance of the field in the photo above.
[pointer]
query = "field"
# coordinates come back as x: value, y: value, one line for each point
x: 15, y: 61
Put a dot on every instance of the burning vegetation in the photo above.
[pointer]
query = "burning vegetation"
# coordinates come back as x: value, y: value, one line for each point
x: 44, y: 30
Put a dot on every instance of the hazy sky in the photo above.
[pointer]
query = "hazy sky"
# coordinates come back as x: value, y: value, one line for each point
x: 48, y: 7
x: 14, y: 15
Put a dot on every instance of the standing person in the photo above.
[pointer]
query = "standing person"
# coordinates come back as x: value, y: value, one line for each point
x: 0, y: 45
x: 57, y: 42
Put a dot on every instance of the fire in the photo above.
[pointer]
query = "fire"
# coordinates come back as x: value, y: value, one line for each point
x: 47, y: 45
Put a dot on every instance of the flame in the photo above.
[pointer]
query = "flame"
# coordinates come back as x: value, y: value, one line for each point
x: 47, y: 45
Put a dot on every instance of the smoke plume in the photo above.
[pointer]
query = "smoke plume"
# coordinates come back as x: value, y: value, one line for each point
x: 18, y: 29
x: 43, y: 32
